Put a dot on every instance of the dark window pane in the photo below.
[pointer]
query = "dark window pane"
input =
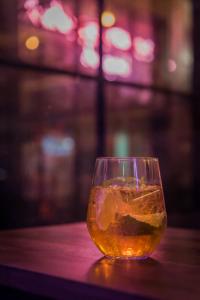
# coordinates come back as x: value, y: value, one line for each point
x: 46, y: 160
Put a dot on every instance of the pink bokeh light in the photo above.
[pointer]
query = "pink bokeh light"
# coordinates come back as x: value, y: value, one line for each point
x: 31, y: 4
x: 115, y: 65
x: 89, y: 58
x: 35, y: 16
x: 118, y: 37
x: 112, y: 65
x: 172, y: 65
x: 89, y: 34
x: 143, y: 49
x: 54, y: 18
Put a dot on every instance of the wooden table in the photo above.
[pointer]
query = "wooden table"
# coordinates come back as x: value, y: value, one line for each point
x: 61, y: 262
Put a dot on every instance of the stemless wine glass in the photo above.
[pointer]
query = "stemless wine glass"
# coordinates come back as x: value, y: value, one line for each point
x: 126, y: 213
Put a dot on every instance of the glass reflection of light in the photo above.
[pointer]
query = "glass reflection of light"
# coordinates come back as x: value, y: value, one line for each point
x: 115, y: 65
x: 32, y: 42
x: 89, y: 34
x: 143, y: 49
x: 54, y: 18
x: 107, y: 19
x: 89, y: 58
x: 57, y: 146
x: 118, y: 37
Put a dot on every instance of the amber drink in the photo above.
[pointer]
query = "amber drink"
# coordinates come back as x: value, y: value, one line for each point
x: 126, y: 216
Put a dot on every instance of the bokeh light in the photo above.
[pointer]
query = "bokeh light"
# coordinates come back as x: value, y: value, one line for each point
x: 89, y: 34
x: 55, y: 18
x: 172, y: 65
x: 107, y: 19
x: 30, y: 4
x: 32, y: 42
x: 185, y: 56
x: 112, y: 65
x: 34, y: 15
x: 143, y: 49
x: 118, y: 37
x: 115, y: 65
x: 57, y: 146
x: 89, y: 58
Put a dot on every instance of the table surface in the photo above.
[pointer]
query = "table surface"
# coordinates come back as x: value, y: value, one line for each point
x: 57, y: 261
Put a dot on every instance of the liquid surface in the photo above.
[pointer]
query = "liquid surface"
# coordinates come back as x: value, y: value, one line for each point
x: 125, y: 221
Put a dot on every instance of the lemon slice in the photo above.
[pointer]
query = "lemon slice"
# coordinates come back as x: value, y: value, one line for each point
x: 155, y: 220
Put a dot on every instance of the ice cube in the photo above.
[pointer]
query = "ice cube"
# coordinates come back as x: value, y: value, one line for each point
x: 149, y: 203
x: 107, y: 205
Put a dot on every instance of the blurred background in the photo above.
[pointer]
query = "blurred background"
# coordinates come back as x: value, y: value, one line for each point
x: 81, y: 79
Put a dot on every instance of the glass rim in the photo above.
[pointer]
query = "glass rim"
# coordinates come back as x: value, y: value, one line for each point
x: 127, y: 158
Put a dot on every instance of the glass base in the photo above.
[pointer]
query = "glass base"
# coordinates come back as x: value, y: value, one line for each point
x: 127, y: 257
